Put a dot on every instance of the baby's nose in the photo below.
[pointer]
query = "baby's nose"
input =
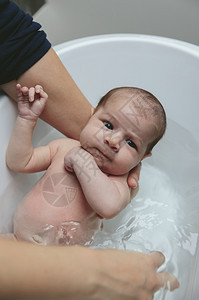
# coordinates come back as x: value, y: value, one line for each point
x: 113, y: 141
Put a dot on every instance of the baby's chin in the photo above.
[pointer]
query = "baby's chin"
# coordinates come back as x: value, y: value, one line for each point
x: 105, y: 164
x: 100, y: 163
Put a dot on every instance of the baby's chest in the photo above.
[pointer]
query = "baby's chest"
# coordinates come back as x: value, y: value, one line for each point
x: 57, y: 197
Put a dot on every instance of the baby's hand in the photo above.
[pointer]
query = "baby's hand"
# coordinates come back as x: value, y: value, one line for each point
x: 31, y: 101
x: 69, y: 159
x: 77, y: 156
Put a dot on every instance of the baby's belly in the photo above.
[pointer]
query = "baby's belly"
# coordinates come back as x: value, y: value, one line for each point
x: 55, y: 211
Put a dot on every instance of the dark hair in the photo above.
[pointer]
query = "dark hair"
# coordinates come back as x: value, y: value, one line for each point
x: 148, y: 105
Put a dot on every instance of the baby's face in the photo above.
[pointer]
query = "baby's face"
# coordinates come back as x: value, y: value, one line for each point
x: 118, y: 134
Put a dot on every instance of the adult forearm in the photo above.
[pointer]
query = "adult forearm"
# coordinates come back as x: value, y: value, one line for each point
x: 67, y: 108
x: 39, y: 272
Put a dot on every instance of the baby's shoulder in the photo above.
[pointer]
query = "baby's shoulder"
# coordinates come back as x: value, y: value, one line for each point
x: 63, y: 144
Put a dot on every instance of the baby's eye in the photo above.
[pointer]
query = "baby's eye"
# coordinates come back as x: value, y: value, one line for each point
x: 131, y: 144
x: 108, y: 125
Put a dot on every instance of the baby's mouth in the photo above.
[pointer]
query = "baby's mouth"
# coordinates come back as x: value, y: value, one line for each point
x: 98, y: 154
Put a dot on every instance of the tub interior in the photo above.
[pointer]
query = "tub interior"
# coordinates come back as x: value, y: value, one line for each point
x: 164, y: 214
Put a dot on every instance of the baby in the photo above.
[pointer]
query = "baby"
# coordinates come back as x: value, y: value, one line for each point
x: 86, y: 180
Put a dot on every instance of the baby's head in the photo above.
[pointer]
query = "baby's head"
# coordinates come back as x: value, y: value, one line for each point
x: 127, y: 123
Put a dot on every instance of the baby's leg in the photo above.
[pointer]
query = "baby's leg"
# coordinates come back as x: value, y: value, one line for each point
x: 9, y: 236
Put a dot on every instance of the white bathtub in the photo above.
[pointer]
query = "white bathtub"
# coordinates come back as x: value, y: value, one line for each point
x: 169, y: 69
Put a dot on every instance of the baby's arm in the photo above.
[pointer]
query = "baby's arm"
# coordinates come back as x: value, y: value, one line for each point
x: 106, y: 195
x: 21, y: 156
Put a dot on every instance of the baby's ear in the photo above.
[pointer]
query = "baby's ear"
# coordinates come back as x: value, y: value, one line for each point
x: 147, y: 155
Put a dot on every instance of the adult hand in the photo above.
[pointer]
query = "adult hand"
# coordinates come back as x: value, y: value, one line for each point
x: 134, y: 176
x: 129, y: 275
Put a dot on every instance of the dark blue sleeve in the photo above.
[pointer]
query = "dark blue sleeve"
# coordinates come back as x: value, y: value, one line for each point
x: 22, y: 43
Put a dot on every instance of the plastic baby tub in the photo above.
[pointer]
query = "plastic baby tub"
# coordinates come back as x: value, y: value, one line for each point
x: 169, y: 222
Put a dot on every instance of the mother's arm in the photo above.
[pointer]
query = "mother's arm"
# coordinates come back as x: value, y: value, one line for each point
x: 67, y: 109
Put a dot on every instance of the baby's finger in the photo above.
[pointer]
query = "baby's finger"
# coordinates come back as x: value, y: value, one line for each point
x: 38, y: 88
x: 31, y: 94
x: 43, y: 94
x: 18, y: 88
x: 24, y: 90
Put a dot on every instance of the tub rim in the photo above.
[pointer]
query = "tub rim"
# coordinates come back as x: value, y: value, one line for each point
x: 126, y: 37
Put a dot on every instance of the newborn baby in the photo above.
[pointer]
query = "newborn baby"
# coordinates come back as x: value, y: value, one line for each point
x: 85, y: 181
